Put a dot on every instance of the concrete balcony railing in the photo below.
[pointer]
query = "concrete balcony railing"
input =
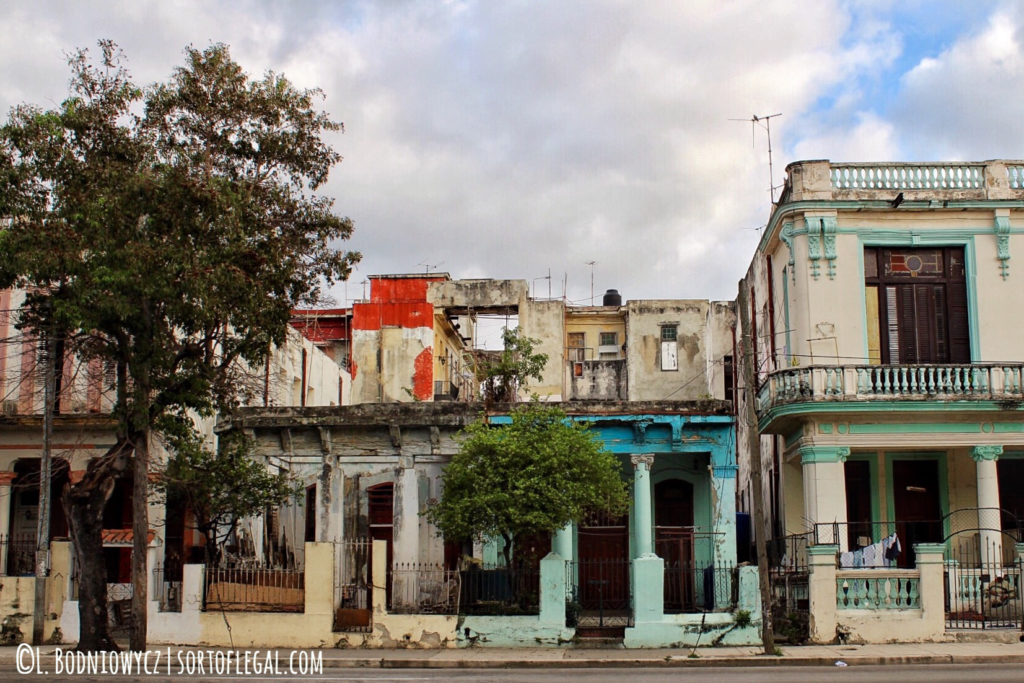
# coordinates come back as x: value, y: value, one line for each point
x: 997, y: 381
x: 825, y: 180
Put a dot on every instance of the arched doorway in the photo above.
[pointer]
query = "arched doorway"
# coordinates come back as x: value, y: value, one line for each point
x: 673, y: 541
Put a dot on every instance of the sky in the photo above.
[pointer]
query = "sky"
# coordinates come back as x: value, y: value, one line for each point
x: 583, y: 138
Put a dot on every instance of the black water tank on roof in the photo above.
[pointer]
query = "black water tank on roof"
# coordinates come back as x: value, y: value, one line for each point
x: 612, y: 298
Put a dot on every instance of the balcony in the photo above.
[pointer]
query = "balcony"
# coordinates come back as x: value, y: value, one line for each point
x: 825, y: 383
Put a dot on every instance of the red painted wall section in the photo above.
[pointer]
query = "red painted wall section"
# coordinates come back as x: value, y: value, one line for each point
x: 423, y: 375
x: 384, y: 289
x: 373, y: 316
x: 396, y: 302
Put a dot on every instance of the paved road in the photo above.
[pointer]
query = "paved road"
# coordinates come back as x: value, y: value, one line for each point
x: 951, y: 673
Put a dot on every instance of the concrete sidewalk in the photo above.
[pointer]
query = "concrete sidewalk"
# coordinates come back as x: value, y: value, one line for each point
x: 813, y: 655
x: 501, y: 658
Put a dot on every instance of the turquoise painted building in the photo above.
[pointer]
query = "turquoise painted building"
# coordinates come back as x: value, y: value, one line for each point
x: 666, y: 573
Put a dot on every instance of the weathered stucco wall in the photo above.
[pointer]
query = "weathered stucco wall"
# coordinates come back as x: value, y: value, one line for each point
x: 597, y: 380
x: 477, y: 294
x: 646, y: 379
x: 545, y: 322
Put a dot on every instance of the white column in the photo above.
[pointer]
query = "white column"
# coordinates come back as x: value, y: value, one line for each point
x: 562, y: 542
x: 407, y: 514
x: 989, y: 518
x: 825, y: 492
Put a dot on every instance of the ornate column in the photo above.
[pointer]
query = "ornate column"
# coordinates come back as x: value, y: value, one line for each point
x: 648, y: 569
x: 642, y: 522
x: 989, y: 518
x: 825, y: 491
x: 5, y: 516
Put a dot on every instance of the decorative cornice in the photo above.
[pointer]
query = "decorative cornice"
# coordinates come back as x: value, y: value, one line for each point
x: 724, y: 471
x: 787, y: 238
x: 642, y: 458
x: 1002, y: 229
x: 986, y: 452
x: 816, y: 454
x: 640, y: 430
x: 828, y: 228
x: 814, y: 243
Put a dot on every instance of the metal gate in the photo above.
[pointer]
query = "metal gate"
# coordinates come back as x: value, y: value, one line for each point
x: 983, y: 580
x: 789, y: 581
x: 600, y: 589
x: 352, y: 589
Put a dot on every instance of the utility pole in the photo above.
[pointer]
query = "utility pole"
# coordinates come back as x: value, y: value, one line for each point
x: 49, y: 361
x: 748, y: 416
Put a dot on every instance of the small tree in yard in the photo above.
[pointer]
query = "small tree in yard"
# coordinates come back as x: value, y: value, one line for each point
x: 170, y: 232
x: 504, y: 375
x: 220, y: 488
x: 532, y: 475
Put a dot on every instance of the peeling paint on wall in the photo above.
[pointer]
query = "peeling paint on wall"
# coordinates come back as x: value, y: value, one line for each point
x: 423, y: 374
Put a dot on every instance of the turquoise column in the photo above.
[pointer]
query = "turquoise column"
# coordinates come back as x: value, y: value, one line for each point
x: 642, y: 504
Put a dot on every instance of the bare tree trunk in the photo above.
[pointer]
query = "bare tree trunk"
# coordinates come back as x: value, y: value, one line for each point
x: 748, y: 415
x: 140, y: 533
x: 84, y: 503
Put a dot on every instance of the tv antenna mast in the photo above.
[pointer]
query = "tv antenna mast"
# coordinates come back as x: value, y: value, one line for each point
x: 427, y: 267
x: 591, y: 264
x: 766, y: 123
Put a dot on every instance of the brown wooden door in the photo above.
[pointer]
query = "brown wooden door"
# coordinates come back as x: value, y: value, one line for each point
x: 604, y: 563
x: 673, y: 541
x: 916, y: 505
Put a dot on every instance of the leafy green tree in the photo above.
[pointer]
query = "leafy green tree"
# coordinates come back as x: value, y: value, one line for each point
x: 221, y: 487
x: 506, y: 374
x: 169, y: 231
x: 532, y: 475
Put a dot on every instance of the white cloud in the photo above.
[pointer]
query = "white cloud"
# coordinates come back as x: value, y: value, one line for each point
x: 506, y: 138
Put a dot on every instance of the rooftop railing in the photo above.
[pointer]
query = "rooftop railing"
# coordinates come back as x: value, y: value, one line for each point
x: 908, y: 176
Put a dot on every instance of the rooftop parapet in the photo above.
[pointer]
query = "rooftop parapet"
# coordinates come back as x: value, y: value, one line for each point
x: 823, y: 180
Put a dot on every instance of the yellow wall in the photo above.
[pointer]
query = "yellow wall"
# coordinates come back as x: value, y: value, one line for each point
x: 592, y: 324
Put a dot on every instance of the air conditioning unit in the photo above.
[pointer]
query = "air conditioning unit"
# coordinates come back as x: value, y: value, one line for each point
x: 10, y: 407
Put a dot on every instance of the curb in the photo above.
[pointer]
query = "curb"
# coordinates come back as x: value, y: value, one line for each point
x: 673, y: 662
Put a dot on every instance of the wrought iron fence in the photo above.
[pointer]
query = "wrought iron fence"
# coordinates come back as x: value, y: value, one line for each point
x: 353, y: 588
x: 982, y: 589
x: 500, y: 590
x: 254, y: 590
x: 699, y: 587
x: 167, y: 582
x: 424, y: 589
x: 20, y: 551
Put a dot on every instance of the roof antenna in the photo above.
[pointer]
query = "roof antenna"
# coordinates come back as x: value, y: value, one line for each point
x: 427, y: 267
x: 756, y: 120
x: 591, y: 264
